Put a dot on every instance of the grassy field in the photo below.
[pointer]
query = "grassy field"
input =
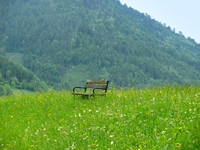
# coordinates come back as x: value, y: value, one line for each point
x: 21, y: 91
x: 165, y: 117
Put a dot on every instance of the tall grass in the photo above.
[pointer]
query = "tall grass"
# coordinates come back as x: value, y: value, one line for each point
x: 165, y: 117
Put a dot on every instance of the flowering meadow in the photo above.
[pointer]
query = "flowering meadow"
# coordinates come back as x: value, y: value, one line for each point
x: 166, y: 117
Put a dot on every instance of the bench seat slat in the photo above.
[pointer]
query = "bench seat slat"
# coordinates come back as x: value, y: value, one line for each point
x: 96, y: 86
x: 97, y: 81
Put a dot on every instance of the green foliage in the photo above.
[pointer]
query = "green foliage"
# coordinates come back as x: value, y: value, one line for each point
x: 13, y: 84
x: 2, y: 51
x: 108, y: 39
x: 1, y: 77
x: 66, y: 85
x: 8, y: 89
x: 15, y: 75
x: 2, y: 90
x: 149, y: 118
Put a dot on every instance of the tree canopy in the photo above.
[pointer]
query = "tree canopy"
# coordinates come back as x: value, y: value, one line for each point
x: 16, y: 76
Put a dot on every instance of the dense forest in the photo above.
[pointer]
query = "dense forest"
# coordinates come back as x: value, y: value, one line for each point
x: 65, y: 42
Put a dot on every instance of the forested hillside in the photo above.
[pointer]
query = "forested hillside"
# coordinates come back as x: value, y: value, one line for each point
x: 65, y: 42
x: 13, y: 75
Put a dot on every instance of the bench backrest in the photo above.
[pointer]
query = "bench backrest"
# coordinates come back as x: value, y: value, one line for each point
x: 100, y: 84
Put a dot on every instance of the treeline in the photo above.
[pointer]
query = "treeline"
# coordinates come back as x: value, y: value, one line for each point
x: 106, y: 38
x: 13, y: 75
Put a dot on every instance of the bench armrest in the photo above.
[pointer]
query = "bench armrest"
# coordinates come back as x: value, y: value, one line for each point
x: 79, y: 88
x: 98, y: 89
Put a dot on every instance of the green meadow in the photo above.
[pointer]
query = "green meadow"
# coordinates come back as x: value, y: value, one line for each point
x: 166, y: 117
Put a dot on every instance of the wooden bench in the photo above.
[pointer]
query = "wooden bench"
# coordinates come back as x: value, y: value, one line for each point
x: 94, y: 85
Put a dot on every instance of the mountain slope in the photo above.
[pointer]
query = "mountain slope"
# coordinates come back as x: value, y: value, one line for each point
x: 16, y: 76
x: 75, y: 40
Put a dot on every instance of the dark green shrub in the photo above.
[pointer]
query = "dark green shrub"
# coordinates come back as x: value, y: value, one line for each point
x: 2, y: 90
x: 8, y: 89
x: 18, y: 86
x: 13, y: 84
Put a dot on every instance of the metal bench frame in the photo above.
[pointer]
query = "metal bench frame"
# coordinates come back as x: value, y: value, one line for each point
x: 95, y: 85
